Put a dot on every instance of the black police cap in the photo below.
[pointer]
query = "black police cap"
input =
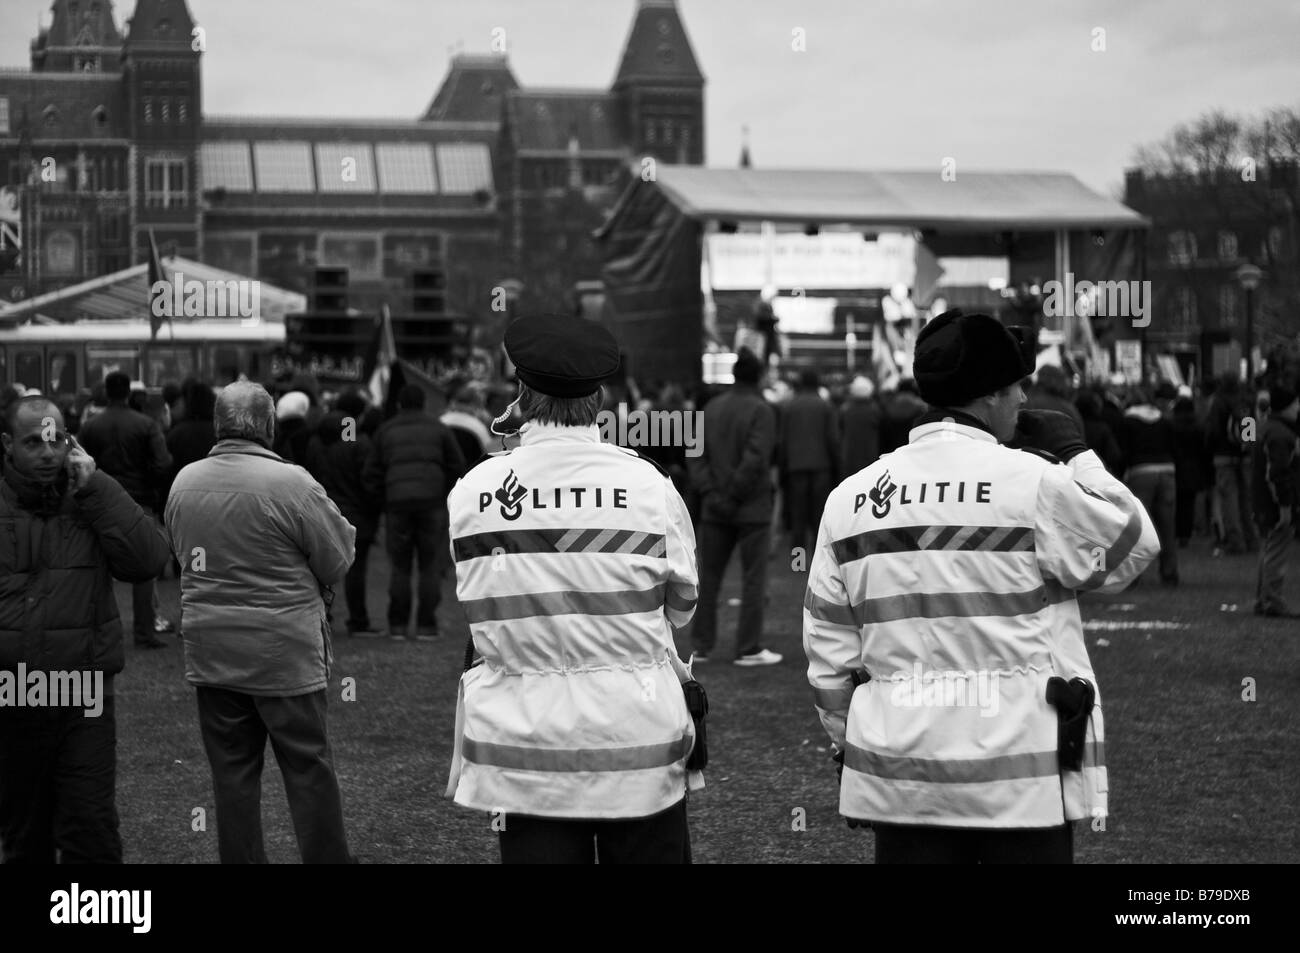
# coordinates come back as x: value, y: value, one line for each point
x: 561, y: 355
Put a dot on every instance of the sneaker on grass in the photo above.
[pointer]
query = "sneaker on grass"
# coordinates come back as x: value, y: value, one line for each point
x: 761, y: 657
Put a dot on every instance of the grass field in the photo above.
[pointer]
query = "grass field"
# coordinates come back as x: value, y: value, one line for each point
x: 1196, y: 773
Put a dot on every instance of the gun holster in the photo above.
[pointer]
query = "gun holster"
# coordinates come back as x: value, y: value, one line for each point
x: 697, y: 703
x: 1073, y: 701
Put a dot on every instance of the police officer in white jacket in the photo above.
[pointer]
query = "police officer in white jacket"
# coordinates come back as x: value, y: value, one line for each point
x: 941, y: 620
x: 574, y: 561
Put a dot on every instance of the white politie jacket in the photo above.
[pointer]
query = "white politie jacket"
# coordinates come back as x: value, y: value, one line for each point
x: 948, y: 570
x: 573, y: 560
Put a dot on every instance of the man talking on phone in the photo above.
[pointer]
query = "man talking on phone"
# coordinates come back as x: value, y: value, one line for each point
x: 66, y: 531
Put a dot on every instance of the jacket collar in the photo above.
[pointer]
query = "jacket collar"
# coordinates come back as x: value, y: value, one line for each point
x: 538, y: 433
x: 951, y: 422
x: 231, y: 445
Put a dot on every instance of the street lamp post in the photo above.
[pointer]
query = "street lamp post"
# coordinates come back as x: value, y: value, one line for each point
x: 1248, y: 277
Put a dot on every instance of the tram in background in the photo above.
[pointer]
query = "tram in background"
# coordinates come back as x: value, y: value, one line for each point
x: 62, y: 360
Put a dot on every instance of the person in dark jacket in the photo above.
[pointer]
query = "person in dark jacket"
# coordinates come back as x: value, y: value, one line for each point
x: 732, y: 475
x: 1277, y: 491
x: 808, y: 451
x: 413, y: 465
x: 58, y: 614
x: 292, y: 428
x: 336, y: 457
x: 902, y: 408
x: 1051, y: 391
x: 1097, y: 433
x: 1149, y: 447
x: 861, y: 443
x: 1226, y: 425
x: 1191, y: 466
x: 192, y: 436
x: 129, y: 446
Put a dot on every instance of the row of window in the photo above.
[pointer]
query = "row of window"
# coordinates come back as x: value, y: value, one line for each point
x: 558, y: 173
x: 403, y: 167
x: 1182, y: 247
x: 167, y: 109
x: 1181, y: 310
x: 667, y: 132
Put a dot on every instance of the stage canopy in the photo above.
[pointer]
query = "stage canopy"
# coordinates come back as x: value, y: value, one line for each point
x: 124, y: 296
x: 980, y: 201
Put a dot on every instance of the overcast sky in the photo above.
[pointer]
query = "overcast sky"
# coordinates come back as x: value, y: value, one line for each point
x: 884, y: 84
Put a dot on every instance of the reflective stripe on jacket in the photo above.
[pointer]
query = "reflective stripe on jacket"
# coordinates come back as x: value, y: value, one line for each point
x: 948, y: 570
x: 573, y: 560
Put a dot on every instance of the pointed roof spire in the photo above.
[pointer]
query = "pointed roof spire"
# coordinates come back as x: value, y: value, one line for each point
x: 84, y: 27
x: 160, y: 23
x: 657, y: 48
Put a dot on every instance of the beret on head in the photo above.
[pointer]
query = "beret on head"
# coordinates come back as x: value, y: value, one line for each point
x: 561, y: 355
x: 962, y: 357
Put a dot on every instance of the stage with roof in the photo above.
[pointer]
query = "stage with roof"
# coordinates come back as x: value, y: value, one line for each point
x: 687, y: 252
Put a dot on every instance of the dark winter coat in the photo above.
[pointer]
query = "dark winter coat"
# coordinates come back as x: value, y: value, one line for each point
x: 902, y: 408
x: 1277, y: 470
x: 1147, y: 437
x: 732, y: 472
x: 188, y: 442
x: 129, y: 446
x: 810, y: 438
x: 338, y: 464
x: 291, y: 439
x: 57, y: 607
x: 861, y: 444
x: 414, y: 463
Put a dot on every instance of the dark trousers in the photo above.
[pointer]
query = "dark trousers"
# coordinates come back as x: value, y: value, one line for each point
x: 1185, y: 511
x: 1232, y: 489
x: 58, y: 771
x: 354, y: 586
x: 716, y: 541
x: 420, y: 534
x: 1271, y: 583
x: 897, y: 844
x: 807, y: 490
x: 143, y: 613
x: 1157, y: 491
x: 235, y: 727
x: 658, y: 839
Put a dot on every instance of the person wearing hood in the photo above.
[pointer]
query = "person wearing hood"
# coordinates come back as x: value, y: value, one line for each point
x: 336, y: 457
x: 1150, y: 448
x: 862, y: 414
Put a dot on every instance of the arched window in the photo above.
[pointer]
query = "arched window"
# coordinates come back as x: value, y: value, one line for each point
x: 1182, y: 247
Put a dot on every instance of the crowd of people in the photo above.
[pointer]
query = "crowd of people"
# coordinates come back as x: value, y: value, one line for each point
x: 265, y: 502
x: 1200, y: 460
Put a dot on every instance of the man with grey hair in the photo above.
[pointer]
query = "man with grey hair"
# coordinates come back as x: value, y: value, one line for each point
x: 261, y: 544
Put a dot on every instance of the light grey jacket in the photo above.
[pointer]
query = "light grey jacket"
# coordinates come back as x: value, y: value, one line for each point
x: 258, y: 539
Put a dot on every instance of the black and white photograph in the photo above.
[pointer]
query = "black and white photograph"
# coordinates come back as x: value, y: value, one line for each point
x: 476, y: 432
